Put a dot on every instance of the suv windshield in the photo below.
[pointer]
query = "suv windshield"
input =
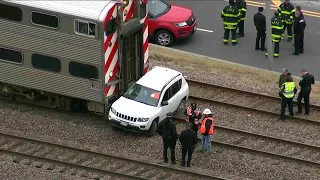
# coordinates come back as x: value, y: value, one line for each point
x: 157, y: 8
x: 143, y: 95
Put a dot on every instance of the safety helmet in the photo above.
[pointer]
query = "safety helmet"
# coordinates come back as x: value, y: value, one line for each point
x: 206, y: 111
x: 232, y: 2
x: 193, y: 105
x: 169, y: 114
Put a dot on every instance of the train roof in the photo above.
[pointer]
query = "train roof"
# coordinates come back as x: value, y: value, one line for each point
x: 85, y: 9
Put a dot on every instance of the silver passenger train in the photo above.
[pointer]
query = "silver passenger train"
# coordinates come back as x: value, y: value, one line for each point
x: 58, y: 53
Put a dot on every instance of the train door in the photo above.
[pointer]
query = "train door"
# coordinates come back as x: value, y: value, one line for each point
x: 132, y: 58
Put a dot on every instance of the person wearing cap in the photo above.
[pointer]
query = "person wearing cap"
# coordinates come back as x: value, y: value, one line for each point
x: 188, y: 140
x: 299, y: 26
x: 242, y: 6
x: 193, y: 115
x: 286, y: 11
x: 168, y: 131
x: 305, y: 83
x: 277, y: 33
x: 287, y: 92
x: 207, y: 129
x: 260, y: 22
x: 230, y: 16
x: 282, y: 78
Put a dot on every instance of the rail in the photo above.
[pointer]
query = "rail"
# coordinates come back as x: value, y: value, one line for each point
x: 211, y: 93
x: 264, y: 145
x: 89, y: 161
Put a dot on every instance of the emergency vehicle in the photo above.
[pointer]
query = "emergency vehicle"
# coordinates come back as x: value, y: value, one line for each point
x: 63, y: 54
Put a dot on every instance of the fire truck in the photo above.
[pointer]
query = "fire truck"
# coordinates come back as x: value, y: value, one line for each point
x: 66, y: 54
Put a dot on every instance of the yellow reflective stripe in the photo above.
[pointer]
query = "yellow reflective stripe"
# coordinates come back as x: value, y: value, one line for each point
x: 228, y: 23
x: 291, y: 17
x: 279, y: 9
x: 233, y: 40
x: 230, y: 15
x: 225, y: 40
x: 275, y: 54
x: 276, y: 27
x: 243, y: 18
x: 290, y: 36
x: 276, y: 36
x: 243, y: 9
x: 286, y: 12
x: 294, y: 10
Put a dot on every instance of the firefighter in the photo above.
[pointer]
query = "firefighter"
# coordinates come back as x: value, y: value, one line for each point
x: 193, y: 114
x: 282, y: 78
x: 277, y: 33
x: 242, y: 6
x: 188, y: 140
x: 287, y: 92
x: 207, y: 129
x: 169, y: 135
x: 298, y: 29
x: 286, y: 11
x: 305, y: 83
x: 231, y: 16
x: 260, y: 22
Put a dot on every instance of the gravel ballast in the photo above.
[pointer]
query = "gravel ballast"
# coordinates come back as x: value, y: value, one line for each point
x: 90, y: 132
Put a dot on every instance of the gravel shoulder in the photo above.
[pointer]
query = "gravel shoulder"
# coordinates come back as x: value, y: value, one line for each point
x: 211, y: 70
x: 91, y: 133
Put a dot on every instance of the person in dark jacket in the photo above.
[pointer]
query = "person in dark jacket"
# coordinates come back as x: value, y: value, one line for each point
x: 298, y: 30
x: 282, y: 78
x: 305, y: 83
x: 188, y: 140
x: 168, y: 131
x: 260, y: 22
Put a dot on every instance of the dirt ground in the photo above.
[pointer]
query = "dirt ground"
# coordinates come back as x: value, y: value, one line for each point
x: 215, y: 71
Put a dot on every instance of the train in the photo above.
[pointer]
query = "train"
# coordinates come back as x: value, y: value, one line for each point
x: 67, y: 54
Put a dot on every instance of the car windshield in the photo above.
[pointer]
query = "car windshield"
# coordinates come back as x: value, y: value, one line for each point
x: 143, y: 95
x: 157, y: 8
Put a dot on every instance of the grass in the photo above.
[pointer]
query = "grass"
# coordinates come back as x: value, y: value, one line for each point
x: 213, y: 67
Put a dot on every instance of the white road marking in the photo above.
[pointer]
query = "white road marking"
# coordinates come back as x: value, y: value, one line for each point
x: 205, y: 30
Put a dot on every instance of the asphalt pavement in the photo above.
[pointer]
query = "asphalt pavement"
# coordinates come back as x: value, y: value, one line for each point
x: 209, y: 43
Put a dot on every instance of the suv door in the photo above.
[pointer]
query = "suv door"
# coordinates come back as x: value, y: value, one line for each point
x: 168, y: 108
x: 176, y: 96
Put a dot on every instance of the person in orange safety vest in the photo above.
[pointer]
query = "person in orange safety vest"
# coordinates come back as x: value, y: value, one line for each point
x: 207, y: 129
x: 193, y: 114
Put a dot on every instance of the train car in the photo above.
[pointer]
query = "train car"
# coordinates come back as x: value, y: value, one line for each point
x: 66, y: 54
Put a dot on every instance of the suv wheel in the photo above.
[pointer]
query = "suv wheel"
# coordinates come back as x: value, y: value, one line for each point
x: 153, y: 129
x: 164, y: 38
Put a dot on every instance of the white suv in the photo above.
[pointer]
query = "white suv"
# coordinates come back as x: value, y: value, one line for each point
x: 146, y: 103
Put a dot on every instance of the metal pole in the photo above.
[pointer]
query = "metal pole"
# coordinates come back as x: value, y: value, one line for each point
x: 269, y: 35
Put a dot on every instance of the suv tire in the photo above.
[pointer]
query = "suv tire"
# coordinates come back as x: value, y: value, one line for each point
x: 153, y: 129
x: 164, y: 38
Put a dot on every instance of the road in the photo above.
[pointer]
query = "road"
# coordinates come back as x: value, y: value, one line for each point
x: 209, y: 41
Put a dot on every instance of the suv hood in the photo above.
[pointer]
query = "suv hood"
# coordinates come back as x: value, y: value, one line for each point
x: 133, y: 108
x: 176, y: 14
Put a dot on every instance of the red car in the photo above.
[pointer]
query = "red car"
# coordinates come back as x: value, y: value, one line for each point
x: 169, y: 22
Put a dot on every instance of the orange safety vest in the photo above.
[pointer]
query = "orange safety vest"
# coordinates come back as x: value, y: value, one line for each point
x: 189, y: 110
x: 203, y: 126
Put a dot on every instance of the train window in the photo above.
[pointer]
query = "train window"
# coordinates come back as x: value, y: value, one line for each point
x: 10, y: 55
x: 46, y: 63
x: 85, y: 28
x: 10, y: 13
x: 143, y: 9
x: 46, y: 20
x: 83, y: 70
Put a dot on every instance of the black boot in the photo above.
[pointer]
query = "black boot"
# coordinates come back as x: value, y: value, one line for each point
x: 188, y: 163
x: 183, y: 164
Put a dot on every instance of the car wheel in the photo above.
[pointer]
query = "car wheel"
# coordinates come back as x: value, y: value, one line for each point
x: 181, y: 106
x: 164, y: 38
x: 153, y: 129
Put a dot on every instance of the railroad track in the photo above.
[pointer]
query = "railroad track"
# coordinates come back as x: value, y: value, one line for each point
x: 81, y: 162
x: 264, y: 145
x: 246, y: 100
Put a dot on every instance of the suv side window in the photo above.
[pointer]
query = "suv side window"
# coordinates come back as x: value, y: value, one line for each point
x: 167, y: 95
x: 175, y: 88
